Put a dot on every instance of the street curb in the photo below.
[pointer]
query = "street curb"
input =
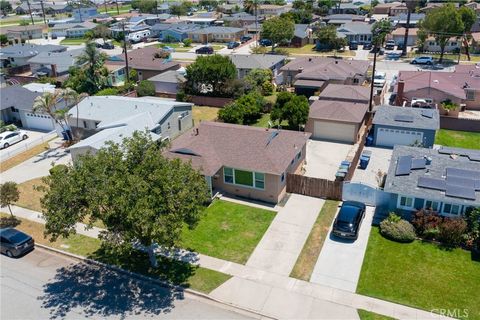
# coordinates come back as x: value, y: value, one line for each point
x: 238, y: 309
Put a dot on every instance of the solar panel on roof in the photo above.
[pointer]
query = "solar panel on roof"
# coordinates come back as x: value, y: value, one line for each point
x: 427, y: 113
x: 463, y: 173
x: 462, y: 182
x: 460, y: 192
x: 431, y: 183
x: 404, y: 165
x: 418, y: 164
x: 403, y: 118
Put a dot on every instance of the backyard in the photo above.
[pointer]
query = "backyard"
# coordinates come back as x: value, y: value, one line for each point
x: 73, y: 41
x: 204, y: 113
x: 421, y: 274
x: 460, y: 139
x: 228, y: 231
x: 309, y: 49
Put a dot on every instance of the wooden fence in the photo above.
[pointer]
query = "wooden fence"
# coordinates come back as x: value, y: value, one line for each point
x: 460, y: 124
x: 314, y: 187
x: 358, y: 153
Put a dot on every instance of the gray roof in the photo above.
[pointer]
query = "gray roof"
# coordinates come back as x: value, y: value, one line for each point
x: 355, y: 28
x: 62, y: 60
x: 29, y: 50
x: 301, y: 30
x: 170, y: 76
x: 407, y: 185
x: 217, y: 30
x: 17, y: 97
x: 256, y: 61
x: 83, y: 25
x: 386, y: 115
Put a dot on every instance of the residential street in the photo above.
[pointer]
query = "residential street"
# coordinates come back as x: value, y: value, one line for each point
x: 42, y: 285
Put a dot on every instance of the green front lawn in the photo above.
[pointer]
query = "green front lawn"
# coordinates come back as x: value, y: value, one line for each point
x: 460, y: 139
x: 367, y: 315
x: 73, y: 41
x: 228, y: 231
x: 265, y: 118
x: 421, y: 275
x: 309, y: 49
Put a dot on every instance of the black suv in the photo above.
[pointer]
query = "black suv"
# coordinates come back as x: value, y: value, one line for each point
x: 349, y: 219
x: 204, y: 50
x: 15, y: 243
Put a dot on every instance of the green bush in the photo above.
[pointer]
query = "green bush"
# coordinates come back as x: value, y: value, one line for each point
x: 452, y: 231
x: 187, y: 42
x: 267, y: 88
x: 108, y: 92
x: 58, y: 168
x: 400, y: 231
x: 145, y: 88
x: 181, y: 96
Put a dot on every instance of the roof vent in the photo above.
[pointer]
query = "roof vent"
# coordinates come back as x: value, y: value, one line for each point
x: 436, y: 81
x: 310, y: 59
x: 336, y: 61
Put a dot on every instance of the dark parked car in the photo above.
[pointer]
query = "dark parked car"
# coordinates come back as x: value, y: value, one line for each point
x: 233, y: 44
x: 245, y: 39
x: 349, y: 219
x: 15, y: 243
x: 367, y: 46
x: 265, y: 42
x: 204, y: 50
x: 108, y: 46
x: 353, y: 45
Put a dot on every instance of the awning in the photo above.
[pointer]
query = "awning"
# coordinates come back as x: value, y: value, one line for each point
x: 309, y: 83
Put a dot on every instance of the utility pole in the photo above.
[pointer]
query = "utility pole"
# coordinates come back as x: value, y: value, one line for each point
x: 43, y: 12
x: 375, y: 50
x: 30, y: 11
x: 79, y: 11
x: 105, y: 5
x: 125, y: 50
x: 411, y: 4
x: 255, y: 6
x: 118, y: 10
x: 156, y: 7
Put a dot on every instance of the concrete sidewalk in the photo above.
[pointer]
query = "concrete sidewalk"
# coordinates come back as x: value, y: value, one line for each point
x: 282, y: 243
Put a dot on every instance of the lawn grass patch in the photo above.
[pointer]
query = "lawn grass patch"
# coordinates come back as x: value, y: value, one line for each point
x: 421, y: 275
x: 73, y: 41
x: 309, y: 49
x: 263, y: 122
x: 29, y: 195
x: 204, y: 113
x: 228, y: 231
x: 311, y: 250
x: 460, y: 139
x: 175, y: 272
x: 367, y: 315
x: 23, y: 156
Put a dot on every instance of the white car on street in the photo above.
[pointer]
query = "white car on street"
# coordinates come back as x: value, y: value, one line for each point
x: 8, y: 138
x: 379, y: 79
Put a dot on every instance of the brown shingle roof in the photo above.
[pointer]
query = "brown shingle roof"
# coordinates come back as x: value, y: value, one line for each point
x: 144, y: 59
x: 345, y: 92
x: 237, y: 146
x: 350, y: 112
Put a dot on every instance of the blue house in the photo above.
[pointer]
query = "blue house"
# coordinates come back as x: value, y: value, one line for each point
x: 173, y: 32
x: 405, y: 126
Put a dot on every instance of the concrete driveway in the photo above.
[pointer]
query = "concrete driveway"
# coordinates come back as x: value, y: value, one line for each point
x: 340, y: 261
x: 380, y: 160
x: 282, y: 243
x: 34, y: 137
x: 324, y: 158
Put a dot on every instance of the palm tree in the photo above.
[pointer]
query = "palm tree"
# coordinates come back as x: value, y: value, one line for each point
x: 93, y: 59
x: 74, y: 97
x: 47, y: 103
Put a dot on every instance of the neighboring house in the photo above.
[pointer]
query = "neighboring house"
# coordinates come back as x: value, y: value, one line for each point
x: 336, y: 120
x: 434, y: 179
x: 475, y: 48
x: 384, y: 8
x: 405, y: 126
x: 398, y: 9
x: 113, y: 118
x: 18, y: 33
x: 272, y: 10
x: 17, y: 107
x: 136, y: 23
x: 116, y: 74
x: 346, y: 8
x: 83, y: 14
x: 461, y: 87
x: 246, y: 63
x: 72, y: 30
x: 241, y: 19
x: 18, y: 55
x: 36, y: 7
x: 473, y: 5
x: 216, y: 34
x: 203, y: 22
x: 347, y: 93
x: 143, y: 60
x: 54, y: 64
x: 168, y: 83
x: 253, y: 28
x: 360, y: 32
x: 398, y: 35
x: 311, y: 74
x: 241, y: 160
x: 301, y: 35
x: 434, y: 5
x: 401, y: 19
x: 174, y: 32
x: 339, y: 19
x: 453, y: 45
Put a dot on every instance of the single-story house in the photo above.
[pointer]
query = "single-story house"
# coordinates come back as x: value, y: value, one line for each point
x: 18, y: 33
x: 113, y: 118
x: 360, y: 32
x: 18, y: 55
x: 461, y: 86
x: 246, y: 63
x: 405, y: 126
x: 17, y: 107
x: 143, y: 60
x: 434, y: 5
x: 301, y: 35
x: 83, y: 14
x: 434, y: 179
x: 202, y: 22
x: 216, y: 34
x: 272, y: 10
x: 453, y: 45
x: 384, y: 8
x: 241, y: 160
x: 475, y: 42
x: 401, y: 19
x: 398, y: 9
x: 174, y: 32
x: 398, y: 35
x: 49, y: 7
x: 241, y: 19
x: 336, y: 120
x: 347, y: 93
x: 339, y: 19
x: 72, y: 30
x: 116, y: 74
x: 311, y: 74
x: 54, y: 64
x: 346, y: 8
x: 168, y: 83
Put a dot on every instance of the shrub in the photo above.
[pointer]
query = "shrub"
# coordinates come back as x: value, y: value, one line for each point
x: 401, y: 230
x: 58, y: 168
x: 181, y: 96
x: 425, y: 219
x: 393, y: 217
x: 452, y: 231
x: 267, y: 88
x: 187, y: 42
x: 473, y: 222
x: 107, y: 92
x: 145, y: 88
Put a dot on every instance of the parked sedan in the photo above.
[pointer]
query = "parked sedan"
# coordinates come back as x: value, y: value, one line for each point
x: 8, y: 138
x: 422, y: 60
x: 244, y: 39
x: 233, y: 44
x: 349, y: 219
x: 15, y: 243
x: 367, y: 46
x: 353, y: 45
x: 265, y: 42
x: 204, y: 50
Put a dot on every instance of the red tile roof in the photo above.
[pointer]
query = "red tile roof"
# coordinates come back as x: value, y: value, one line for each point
x: 144, y: 59
x: 350, y: 112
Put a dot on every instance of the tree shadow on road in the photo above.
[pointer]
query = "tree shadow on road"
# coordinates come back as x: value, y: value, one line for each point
x: 102, y: 292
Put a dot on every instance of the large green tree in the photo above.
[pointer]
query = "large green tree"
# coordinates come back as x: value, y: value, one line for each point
x: 278, y: 30
x: 257, y: 78
x: 145, y: 6
x: 469, y: 17
x: 210, y: 75
x: 93, y: 74
x: 325, y: 5
x: 292, y: 108
x: 139, y: 196
x: 9, y: 194
x: 443, y: 23
x: 328, y: 39
x: 380, y: 30
x: 245, y: 110
x: 48, y: 103
x: 145, y: 88
x: 5, y: 7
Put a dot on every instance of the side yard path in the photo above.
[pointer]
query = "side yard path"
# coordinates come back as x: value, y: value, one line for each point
x: 278, y: 295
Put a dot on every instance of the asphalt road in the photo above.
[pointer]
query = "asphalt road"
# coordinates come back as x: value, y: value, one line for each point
x: 42, y: 285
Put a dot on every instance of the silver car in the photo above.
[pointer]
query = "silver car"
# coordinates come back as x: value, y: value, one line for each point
x: 15, y: 243
x: 8, y: 138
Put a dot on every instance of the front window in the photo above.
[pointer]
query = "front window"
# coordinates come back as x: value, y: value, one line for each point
x: 433, y: 205
x: 228, y: 175
x: 453, y: 209
x: 405, y: 202
x: 244, y: 178
x: 259, y: 180
x: 470, y: 95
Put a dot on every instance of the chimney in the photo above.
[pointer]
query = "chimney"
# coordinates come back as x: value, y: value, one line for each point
x: 196, y: 131
x: 336, y: 61
x: 54, y: 70
x: 310, y: 59
x: 400, y: 89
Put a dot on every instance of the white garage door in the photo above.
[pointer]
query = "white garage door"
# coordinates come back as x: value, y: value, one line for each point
x: 334, y: 131
x: 39, y: 122
x: 390, y: 137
